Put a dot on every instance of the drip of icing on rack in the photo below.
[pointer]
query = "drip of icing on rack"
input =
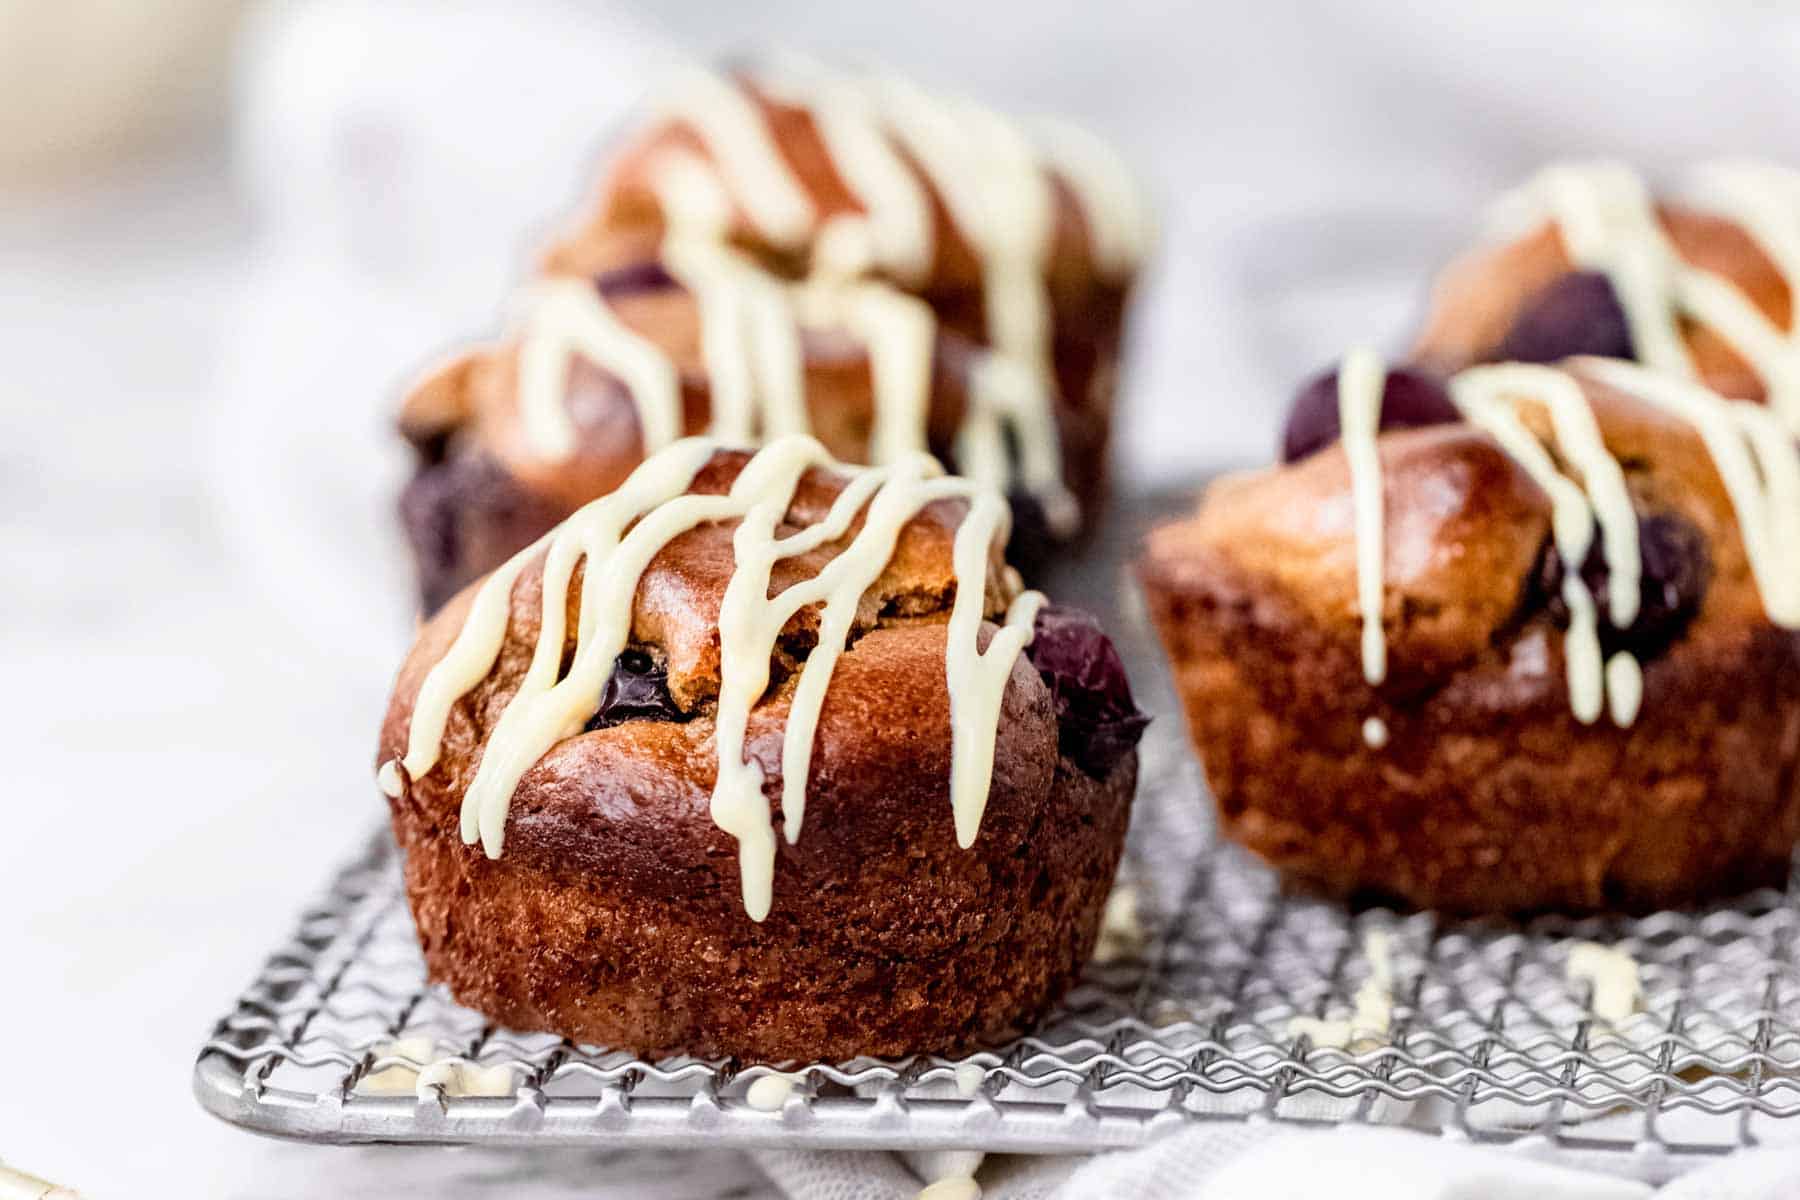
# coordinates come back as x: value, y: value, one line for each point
x: 887, y: 139
x: 1609, y: 223
x: 1755, y: 456
x: 618, y: 535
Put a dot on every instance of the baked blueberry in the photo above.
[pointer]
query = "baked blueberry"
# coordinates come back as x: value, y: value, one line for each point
x: 1578, y: 314
x: 637, y: 690
x: 1410, y: 399
x: 1675, y: 569
x: 1098, y: 722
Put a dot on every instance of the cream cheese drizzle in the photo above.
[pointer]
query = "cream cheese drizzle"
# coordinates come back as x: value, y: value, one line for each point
x: 617, y: 537
x: 767, y: 1093
x: 1488, y: 397
x: 693, y: 198
x: 1609, y: 223
x: 1611, y: 976
x: 1003, y: 395
x: 751, y: 327
x: 1367, y: 1025
x: 1361, y: 379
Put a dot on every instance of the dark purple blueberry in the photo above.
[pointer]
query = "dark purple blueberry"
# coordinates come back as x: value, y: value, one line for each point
x: 1578, y: 314
x: 463, y: 516
x: 647, y: 276
x: 1032, y: 546
x: 1409, y: 400
x: 1097, y: 721
x: 1676, y: 571
x: 637, y: 690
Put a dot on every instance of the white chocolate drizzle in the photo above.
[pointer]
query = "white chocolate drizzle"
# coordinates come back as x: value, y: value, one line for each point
x: 617, y: 536
x: 1757, y: 460
x: 900, y: 332
x: 1119, y: 223
x: 568, y: 317
x: 728, y: 121
x: 767, y: 1093
x: 894, y: 232
x: 1611, y: 975
x: 1609, y: 223
x: 1361, y: 379
x: 1368, y: 1023
x: 1489, y: 398
x: 749, y: 341
x: 893, y: 145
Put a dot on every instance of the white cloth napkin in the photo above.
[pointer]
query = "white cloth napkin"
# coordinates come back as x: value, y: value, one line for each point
x: 1268, y: 1162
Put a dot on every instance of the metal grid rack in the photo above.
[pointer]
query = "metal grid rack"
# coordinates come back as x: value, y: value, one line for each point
x: 1489, y: 1040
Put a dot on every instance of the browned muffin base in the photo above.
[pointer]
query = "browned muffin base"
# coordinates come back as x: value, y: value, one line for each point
x: 1490, y: 796
x: 570, y: 952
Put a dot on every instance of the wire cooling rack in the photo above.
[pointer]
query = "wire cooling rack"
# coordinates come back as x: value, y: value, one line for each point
x: 1487, y: 1037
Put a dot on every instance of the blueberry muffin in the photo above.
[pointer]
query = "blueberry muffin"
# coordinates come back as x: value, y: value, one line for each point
x: 1526, y: 641
x: 793, y: 249
x: 765, y: 757
x: 1585, y: 260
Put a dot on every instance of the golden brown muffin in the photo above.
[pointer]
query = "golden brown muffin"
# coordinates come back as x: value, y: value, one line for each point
x: 1463, y: 779
x: 1535, y: 297
x: 614, y: 913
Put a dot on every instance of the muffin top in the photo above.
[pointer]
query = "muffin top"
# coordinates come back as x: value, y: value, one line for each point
x: 1586, y: 262
x: 820, y: 171
x: 700, y: 611
x: 1631, y: 511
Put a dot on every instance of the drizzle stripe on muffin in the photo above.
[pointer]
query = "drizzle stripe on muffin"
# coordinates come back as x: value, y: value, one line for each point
x: 1756, y: 457
x: 1609, y: 224
x: 888, y: 140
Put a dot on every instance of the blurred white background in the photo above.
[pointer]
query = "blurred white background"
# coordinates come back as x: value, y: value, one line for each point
x: 227, y: 235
